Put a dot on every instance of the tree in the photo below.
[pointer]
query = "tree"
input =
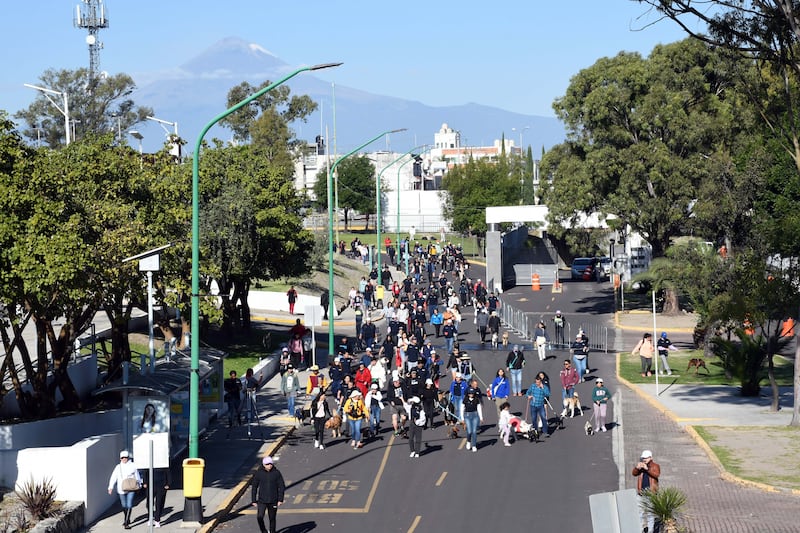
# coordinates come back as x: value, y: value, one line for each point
x: 640, y: 136
x: 96, y: 105
x: 250, y: 224
x: 356, y: 187
x: 469, y: 189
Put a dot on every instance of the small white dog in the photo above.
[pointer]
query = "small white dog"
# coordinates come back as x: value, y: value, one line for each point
x: 494, y: 340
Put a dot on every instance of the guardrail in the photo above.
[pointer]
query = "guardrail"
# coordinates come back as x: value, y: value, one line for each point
x: 524, y: 323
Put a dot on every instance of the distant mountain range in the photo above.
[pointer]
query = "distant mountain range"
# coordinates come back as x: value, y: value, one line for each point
x: 195, y: 92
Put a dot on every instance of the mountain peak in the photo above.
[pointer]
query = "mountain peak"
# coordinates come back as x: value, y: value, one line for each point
x: 234, y: 57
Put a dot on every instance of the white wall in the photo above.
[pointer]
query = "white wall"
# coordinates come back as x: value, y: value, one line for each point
x: 80, y: 472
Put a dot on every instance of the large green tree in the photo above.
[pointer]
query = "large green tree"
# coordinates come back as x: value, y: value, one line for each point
x: 470, y: 188
x: 356, y: 186
x: 96, y: 105
x: 642, y: 137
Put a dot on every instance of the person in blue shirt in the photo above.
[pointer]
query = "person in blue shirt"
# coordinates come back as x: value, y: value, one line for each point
x: 457, y: 390
x: 499, y: 389
x: 537, y: 396
x: 437, y: 319
x: 449, y: 332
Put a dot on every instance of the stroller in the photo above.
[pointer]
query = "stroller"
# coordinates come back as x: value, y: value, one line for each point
x: 523, y: 429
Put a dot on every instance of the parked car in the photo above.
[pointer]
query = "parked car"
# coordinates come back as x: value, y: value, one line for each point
x: 605, y: 268
x: 583, y: 268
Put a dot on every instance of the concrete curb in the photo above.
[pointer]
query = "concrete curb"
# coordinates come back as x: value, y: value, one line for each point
x: 239, y: 490
x: 727, y: 476
x: 648, y: 329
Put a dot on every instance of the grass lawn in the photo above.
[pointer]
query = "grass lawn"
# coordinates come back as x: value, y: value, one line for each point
x: 630, y: 369
x: 245, y: 350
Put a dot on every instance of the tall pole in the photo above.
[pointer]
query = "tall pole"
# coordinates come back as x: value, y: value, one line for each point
x: 194, y: 383
x: 378, y: 184
x: 64, y: 111
x: 408, y: 252
x: 331, y: 305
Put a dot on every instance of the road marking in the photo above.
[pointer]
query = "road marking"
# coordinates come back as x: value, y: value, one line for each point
x: 414, y: 524
x: 441, y: 479
x: 348, y: 510
x: 461, y: 444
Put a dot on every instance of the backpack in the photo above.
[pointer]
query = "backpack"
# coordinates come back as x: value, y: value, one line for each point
x: 558, y: 321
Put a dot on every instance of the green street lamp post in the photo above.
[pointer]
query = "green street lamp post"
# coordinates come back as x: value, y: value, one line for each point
x: 331, y: 304
x: 192, y: 506
x: 378, y: 184
x: 408, y: 251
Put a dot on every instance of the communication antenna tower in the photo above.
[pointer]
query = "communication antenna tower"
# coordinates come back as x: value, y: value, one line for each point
x: 91, y: 15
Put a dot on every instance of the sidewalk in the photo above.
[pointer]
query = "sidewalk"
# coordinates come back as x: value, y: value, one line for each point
x: 230, y: 456
x: 717, y: 501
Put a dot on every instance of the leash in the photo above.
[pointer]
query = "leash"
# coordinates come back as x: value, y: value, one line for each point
x: 479, y: 378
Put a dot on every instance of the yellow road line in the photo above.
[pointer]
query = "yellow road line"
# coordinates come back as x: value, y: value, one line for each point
x: 441, y: 479
x: 461, y: 445
x: 414, y: 524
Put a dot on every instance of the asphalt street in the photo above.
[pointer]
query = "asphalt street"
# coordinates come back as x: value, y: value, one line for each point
x: 448, y: 487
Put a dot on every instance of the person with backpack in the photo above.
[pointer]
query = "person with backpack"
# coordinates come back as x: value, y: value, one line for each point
x: 356, y: 412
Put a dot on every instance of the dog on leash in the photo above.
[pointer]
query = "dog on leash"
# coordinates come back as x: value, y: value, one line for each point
x: 574, y: 403
x: 494, y: 340
x: 588, y: 429
x: 505, y: 339
x: 697, y: 363
x: 334, y: 423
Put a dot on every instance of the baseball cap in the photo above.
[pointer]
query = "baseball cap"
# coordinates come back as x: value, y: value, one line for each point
x: 429, y: 381
x: 646, y: 454
x: 374, y: 386
x: 599, y: 380
x: 663, y: 334
x: 267, y: 460
x: 124, y: 453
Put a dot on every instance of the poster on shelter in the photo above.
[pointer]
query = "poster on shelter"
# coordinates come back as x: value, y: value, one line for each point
x: 149, y: 414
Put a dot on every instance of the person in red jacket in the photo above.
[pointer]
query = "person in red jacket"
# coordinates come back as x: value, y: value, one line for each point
x: 569, y: 378
x: 291, y: 295
x: 647, y: 473
x: 363, y: 378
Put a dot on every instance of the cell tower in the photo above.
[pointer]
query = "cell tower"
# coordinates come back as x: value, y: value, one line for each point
x: 91, y: 16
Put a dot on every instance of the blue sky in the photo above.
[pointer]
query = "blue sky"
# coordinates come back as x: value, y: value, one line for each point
x: 518, y: 55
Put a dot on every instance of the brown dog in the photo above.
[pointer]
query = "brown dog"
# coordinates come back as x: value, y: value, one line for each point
x: 334, y: 423
x: 697, y: 363
x: 505, y: 339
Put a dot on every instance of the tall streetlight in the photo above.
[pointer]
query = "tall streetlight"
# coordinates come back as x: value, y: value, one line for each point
x: 194, y: 384
x: 520, y: 136
x: 331, y: 305
x: 408, y: 252
x: 176, y: 148
x: 378, y: 184
x: 138, y: 136
x: 64, y: 111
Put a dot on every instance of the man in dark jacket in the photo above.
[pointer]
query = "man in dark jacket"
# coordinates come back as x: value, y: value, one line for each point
x: 267, y: 494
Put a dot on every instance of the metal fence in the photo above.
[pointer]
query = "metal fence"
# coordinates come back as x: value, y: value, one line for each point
x: 524, y: 323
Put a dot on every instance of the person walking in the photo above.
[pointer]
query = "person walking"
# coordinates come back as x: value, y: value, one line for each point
x: 416, y: 416
x: 569, y: 378
x: 162, y: 479
x: 437, y: 320
x: 664, y: 346
x: 482, y: 321
x: 267, y: 494
x: 291, y: 295
x: 515, y: 362
x: 290, y: 387
x: 374, y: 402
x: 559, y: 324
x: 498, y: 390
x: 537, y: 396
x: 356, y: 413
x: 645, y: 350
x: 580, y: 352
x: 473, y: 417
x: 233, y: 398
x: 504, y: 423
x: 600, y: 396
x: 324, y: 302
x: 127, y: 480
x: 320, y: 413
x: 646, y: 473
x: 542, y: 338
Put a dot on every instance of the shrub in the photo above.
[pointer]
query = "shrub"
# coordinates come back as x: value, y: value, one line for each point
x: 38, y: 498
x: 666, y: 506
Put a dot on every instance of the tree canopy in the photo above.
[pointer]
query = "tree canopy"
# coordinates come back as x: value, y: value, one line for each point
x: 356, y: 186
x: 96, y: 105
x: 643, y: 135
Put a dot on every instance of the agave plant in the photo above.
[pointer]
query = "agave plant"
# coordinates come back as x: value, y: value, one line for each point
x: 38, y: 497
x: 665, y: 505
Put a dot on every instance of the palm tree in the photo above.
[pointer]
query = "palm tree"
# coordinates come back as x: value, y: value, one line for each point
x: 665, y: 505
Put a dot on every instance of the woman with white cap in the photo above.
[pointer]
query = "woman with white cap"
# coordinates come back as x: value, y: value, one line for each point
x: 374, y: 402
x: 600, y: 397
x: 429, y: 395
x: 127, y: 479
x: 356, y: 412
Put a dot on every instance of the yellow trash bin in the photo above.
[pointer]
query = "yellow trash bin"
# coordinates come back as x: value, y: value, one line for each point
x: 193, y: 477
x: 379, y: 292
